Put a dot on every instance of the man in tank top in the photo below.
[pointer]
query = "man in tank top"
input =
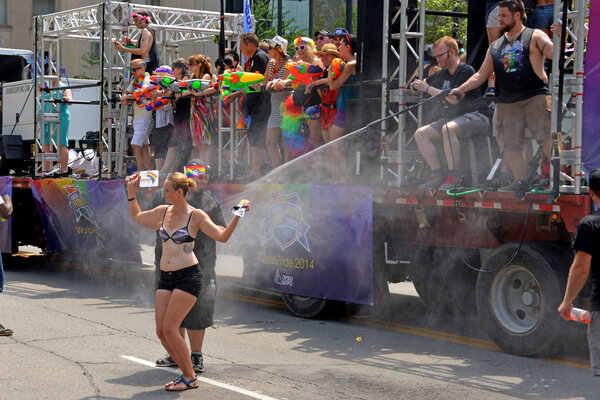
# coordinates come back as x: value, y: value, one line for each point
x: 522, y: 96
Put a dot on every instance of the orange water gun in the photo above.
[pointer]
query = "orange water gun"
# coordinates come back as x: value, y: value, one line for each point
x: 158, y: 103
x: 303, y: 72
x: 337, y: 66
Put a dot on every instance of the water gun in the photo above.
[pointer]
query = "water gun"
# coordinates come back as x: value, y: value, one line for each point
x: 233, y: 81
x: 156, y: 104
x: 143, y: 93
x: 337, y: 66
x: 302, y: 72
x: 174, y: 85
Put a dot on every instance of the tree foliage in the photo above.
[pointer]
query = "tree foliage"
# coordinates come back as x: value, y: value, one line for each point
x: 265, y: 14
x: 438, y: 26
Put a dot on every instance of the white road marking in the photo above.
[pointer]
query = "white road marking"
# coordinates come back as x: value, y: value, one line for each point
x: 200, y: 379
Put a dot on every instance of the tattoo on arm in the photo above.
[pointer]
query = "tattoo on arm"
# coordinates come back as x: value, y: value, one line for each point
x: 543, y: 47
x: 188, y: 248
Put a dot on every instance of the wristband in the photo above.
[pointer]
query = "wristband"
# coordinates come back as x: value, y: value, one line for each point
x: 131, y: 199
x: 427, y: 90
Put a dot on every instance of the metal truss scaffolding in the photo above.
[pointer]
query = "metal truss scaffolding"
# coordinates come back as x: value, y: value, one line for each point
x: 571, y: 105
x: 103, y: 23
x: 394, y: 91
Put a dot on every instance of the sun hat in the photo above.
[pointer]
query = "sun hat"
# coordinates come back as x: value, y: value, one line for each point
x: 328, y: 48
x: 278, y: 43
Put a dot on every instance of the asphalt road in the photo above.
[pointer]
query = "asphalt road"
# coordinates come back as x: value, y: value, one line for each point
x: 85, y: 332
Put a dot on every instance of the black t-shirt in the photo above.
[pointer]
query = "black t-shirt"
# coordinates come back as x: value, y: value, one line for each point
x: 257, y: 63
x: 473, y: 101
x: 205, y: 248
x: 587, y: 240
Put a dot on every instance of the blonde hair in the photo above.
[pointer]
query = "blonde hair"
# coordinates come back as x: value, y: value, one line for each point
x: 180, y: 181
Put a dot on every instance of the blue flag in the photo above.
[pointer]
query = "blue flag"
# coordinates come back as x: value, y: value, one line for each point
x: 247, y: 17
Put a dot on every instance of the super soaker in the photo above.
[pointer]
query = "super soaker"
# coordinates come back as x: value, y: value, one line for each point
x: 337, y: 66
x: 303, y: 72
x: 233, y: 81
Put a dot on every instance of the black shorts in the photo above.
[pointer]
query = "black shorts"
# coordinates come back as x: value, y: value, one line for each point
x: 187, y: 279
x: 257, y: 131
x: 159, y: 139
x: 201, y: 314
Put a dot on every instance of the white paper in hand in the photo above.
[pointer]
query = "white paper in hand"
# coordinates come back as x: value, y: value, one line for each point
x: 149, y: 178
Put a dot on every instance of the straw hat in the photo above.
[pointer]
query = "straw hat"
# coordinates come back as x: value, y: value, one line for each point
x: 328, y: 48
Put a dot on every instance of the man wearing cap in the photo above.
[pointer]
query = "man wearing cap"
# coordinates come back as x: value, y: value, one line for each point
x: 200, y: 316
x: 587, y: 259
x: 322, y: 38
x: 337, y: 35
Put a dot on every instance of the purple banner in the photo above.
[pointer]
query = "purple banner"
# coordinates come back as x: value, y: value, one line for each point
x: 82, y: 216
x: 590, y: 145
x: 6, y: 225
x: 314, y: 241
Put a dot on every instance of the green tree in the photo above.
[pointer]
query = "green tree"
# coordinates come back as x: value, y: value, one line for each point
x: 438, y: 26
x: 265, y: 14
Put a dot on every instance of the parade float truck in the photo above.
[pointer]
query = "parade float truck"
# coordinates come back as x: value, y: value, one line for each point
x: 322, y: 243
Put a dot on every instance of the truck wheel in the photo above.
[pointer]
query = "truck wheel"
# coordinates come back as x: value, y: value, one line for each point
x: 517, y: 304
x: 447, y: 285
x: 304, y: 307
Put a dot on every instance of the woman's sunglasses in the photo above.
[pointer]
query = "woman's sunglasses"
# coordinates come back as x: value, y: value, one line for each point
x: 301, y: 47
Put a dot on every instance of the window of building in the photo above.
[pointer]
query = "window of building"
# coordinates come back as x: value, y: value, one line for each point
x: 41, y: 7
x: 3, y: 20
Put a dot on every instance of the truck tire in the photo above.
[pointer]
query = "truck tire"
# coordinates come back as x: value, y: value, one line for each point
x: 304, y: 307
x: 447, y: 285
x: 517, y: 303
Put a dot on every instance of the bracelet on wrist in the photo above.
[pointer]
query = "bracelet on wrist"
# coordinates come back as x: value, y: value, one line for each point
x: 427, y: 90
x: 131, y: 199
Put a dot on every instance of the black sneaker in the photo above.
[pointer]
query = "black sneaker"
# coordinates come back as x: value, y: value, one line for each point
x: 5, y: 331
x: 198, y: 361
x: 166, y: 361
x: 519, y: 187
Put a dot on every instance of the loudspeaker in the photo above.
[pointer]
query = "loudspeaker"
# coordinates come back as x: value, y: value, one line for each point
x: 12, y: 147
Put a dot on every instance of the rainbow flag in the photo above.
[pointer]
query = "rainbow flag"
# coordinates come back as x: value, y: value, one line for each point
x: 194, y: 170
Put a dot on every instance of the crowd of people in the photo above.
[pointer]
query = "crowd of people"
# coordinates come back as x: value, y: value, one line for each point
x: 281, y: 117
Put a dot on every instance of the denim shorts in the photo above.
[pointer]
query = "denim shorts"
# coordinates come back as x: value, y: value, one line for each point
x: 543, y: 17
x: 187, y: 279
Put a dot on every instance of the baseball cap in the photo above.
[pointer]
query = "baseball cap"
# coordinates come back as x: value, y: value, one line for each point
x: 323, y: 32
x: 338, y: 32
x: 279, y: 43
x: 594, y: 180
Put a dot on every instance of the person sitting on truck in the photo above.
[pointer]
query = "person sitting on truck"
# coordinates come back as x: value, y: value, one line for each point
x: 145, y: 48
x: 587, y: 259
x: 142, y: 118
x: 522, y: 96
x: 63, y: 127
x: 463, y: 117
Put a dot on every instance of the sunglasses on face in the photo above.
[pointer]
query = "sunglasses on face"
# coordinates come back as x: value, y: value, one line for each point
x: 440, y: 55
x: 301, y: 47
x: 321, y: 38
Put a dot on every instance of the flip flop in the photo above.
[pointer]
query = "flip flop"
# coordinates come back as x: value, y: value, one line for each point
x: 191, y: 384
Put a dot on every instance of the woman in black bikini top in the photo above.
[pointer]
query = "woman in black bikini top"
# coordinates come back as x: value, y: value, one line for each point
x: 180, y: 276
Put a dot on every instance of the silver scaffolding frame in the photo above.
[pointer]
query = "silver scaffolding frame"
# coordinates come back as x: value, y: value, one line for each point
x: 397, y: 97
x: 572, y: 125
x: 103, y: 23
x: 399, y: 43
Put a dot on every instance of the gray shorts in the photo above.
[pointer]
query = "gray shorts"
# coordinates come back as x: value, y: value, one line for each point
x: 275, y: 118
x: 593, y: 334
x: 472, y: 123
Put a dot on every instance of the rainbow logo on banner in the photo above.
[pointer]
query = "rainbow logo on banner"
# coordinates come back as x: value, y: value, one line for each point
x: 194, y: 170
